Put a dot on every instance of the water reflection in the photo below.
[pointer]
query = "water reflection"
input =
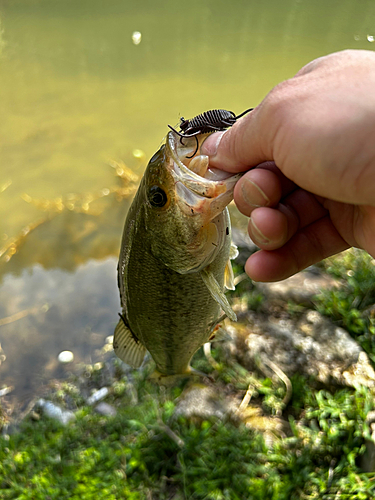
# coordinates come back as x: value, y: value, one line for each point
x: 55, y: 297
x: 51, y: 311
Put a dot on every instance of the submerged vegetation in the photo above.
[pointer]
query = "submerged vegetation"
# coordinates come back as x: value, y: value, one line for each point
x: 88, y: 204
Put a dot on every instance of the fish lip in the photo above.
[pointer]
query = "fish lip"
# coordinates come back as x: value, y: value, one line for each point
x: 206, y: 188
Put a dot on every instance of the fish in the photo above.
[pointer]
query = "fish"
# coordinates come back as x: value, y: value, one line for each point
x: 175, y: 260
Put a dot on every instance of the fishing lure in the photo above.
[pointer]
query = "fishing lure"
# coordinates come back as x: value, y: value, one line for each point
x: 210, y: 121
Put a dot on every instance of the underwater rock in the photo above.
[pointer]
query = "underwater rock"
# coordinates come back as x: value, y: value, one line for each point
x: 65, y: 357
x: 312, y: 346
x: 6, y: 390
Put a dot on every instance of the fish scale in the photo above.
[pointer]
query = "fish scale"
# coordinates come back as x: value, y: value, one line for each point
x: 169, y: 311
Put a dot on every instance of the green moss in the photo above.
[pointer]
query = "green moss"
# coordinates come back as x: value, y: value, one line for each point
x: 131, y: 456
x: 351, y: 304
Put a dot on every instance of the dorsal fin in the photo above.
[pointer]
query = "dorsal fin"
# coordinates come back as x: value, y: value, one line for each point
x: 126, y: 346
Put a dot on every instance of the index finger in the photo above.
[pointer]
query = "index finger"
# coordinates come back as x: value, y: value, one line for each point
x: 240, y: 147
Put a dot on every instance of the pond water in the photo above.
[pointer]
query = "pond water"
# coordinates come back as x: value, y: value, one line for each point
x: 87, y: 86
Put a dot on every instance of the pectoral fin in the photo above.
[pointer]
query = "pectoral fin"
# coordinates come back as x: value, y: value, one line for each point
x: 229, y: 277
x: 228, y: 274
x: 233, y: 252
x: 126, y: 347
x: 220, y: 335
x: 217, y: 293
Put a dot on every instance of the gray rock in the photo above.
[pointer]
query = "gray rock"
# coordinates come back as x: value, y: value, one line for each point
x: 106, y: 409
x: 199, y: 402
x: 300, y: 288
x: 5, y: 390
x: 202, y: 402
x: 313, y: 346
x: 98, y: 395
x: 53, y: 411
x: 367, y: 461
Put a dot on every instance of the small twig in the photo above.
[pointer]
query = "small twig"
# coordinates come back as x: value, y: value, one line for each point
x: 172, y: 435
x: 19, y: 315
x: 164, y: 427
x: 6, y: 390
x: 238, y: 279
x: 331, y: 473
x: 209, y: 357
x: 13, y: 244
x: 246, y: 399
x: 5, y: 186
x: 282, y: 376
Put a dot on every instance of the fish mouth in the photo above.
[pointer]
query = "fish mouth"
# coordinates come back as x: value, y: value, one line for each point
x: 199, y: 187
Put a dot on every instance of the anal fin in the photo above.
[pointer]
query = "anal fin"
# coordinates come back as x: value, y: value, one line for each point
x: 126, y: 347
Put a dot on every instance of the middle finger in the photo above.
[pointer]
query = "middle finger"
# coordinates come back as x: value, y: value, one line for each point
x: 271, y: 228
x: 262, y: 186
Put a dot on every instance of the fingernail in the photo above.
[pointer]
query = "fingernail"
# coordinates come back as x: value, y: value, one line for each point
x: 210, y: 145
x: 253, y: 194
x: 257, y: 234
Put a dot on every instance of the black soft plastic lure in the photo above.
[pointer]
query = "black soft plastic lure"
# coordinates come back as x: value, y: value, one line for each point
x: 209, y: 121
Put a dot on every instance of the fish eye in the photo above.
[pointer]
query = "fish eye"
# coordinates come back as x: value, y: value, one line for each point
x: 157, y: 197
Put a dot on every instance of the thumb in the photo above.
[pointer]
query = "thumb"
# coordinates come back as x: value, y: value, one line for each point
x: 240, y: 147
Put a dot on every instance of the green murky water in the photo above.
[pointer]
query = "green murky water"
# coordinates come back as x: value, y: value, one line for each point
x: 76, y: 93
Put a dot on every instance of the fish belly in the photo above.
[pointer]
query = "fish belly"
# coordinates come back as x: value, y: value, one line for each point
x: 170, y: 313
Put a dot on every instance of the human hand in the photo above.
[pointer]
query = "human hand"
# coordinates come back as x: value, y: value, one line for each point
x: 319, y: 129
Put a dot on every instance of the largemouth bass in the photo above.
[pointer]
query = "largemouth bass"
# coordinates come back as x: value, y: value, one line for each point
x: 175, y: 259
